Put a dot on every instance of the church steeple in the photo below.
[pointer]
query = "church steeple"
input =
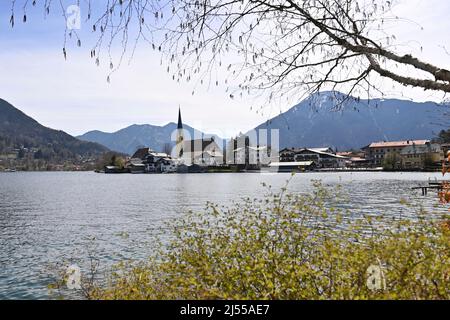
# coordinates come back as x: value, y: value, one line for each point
x: 180, y: 123
x: 180, y: 136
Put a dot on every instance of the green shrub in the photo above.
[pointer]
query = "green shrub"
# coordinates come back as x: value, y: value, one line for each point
x: 290, y: 246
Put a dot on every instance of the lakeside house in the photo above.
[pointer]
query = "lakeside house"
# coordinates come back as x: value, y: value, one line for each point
x: 146, y: 160
x: 419, y: 157
x: 321, y: 157
x: 358, y: 163
x: 356, y: 159
x: 378, y: 152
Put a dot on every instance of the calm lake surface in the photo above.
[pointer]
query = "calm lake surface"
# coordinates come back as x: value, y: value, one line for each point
x: 48, y: 217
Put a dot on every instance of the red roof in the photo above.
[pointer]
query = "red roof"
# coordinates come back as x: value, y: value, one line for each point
x: 394, y: 144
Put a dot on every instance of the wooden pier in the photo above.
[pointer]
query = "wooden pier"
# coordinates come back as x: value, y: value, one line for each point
x: 437, y: 185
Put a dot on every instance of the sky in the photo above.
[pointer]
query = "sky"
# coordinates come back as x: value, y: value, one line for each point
x: 74, y: 95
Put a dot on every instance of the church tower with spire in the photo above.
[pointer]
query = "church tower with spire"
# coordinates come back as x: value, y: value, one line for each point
x: 180, y: 136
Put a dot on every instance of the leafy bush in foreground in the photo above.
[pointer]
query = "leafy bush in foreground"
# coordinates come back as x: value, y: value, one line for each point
x: 291, y: 246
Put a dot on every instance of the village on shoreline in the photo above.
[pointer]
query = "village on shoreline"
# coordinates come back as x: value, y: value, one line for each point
x: 413, y: 155
x: 247, y: 154
x: 256, y: 151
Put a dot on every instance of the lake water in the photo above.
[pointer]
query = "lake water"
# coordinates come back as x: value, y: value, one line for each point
x: 47, y: 217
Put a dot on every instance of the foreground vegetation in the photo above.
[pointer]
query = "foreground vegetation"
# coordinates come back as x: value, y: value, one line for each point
x: 291, y: 246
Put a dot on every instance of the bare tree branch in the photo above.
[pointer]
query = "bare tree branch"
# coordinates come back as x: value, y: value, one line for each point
x: 275, y: 46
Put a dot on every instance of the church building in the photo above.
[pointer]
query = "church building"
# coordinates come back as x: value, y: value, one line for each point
x: 204, y: 151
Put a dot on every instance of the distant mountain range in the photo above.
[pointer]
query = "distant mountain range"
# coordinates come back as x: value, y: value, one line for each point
x: 20, y: 132
x: 129, y: 139
x: 316, y: 122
